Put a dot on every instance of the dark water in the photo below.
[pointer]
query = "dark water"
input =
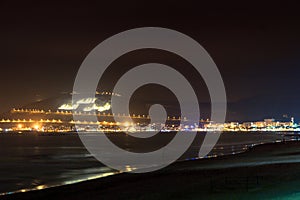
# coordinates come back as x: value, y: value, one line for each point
x: 35, y: 161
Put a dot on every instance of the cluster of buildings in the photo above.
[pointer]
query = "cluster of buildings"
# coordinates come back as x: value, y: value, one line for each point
x: 265, y: 125
x: 34, y: 120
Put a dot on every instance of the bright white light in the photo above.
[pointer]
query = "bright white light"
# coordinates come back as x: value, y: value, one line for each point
x: 68, y: 107
x: 87, y: 108
x: 86, y: 101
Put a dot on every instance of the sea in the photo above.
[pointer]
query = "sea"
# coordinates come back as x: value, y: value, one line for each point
x: 35, y: 161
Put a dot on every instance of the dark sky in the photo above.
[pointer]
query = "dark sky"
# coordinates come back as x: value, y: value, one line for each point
x: 255, y: 45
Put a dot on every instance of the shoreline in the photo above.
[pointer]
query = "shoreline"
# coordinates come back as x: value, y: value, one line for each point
x: 74, y: 158
x: 55, y: 185
x: 179, y: 168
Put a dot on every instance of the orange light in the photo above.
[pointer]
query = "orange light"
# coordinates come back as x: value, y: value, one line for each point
x: 36, y: 127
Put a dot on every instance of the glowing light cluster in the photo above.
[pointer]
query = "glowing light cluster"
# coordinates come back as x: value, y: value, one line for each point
x: 86, y: 101
x: 90, y: 104
x: 68, y: 106
x: 98, y: 108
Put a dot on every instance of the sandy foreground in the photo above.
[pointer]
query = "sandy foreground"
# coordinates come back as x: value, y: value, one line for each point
x: 270, y: 171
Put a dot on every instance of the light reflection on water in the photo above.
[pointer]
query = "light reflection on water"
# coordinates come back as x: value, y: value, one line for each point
x: 38, y: 162
x: 40, y: 187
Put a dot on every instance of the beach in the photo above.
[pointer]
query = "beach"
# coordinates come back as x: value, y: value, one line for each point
x: 269, y: 171
x: 41, y: 160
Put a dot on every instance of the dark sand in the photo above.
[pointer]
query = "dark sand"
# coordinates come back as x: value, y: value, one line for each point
x: 264, y: 172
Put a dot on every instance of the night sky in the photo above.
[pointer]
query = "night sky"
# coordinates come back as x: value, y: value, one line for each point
x: 255, y: 46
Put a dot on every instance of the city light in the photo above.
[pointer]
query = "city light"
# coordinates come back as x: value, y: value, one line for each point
x: 36, y: 127
x: 126, y: 124
x: 62, y: 121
